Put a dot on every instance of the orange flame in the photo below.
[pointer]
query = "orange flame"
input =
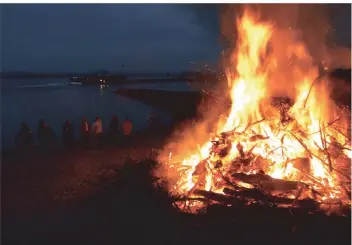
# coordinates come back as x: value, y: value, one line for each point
x: 314, y: 122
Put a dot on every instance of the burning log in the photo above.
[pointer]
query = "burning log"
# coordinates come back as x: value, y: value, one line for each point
x: 260, y: 196
x: 258, y: 137
x: 221, y: 147
x: 218, y: 164
x: 240, y: 150
x: 224, y: 199
x: 254, y: 195
x: 200, y: 168
x: 267, y: 183
x: 302, y: 163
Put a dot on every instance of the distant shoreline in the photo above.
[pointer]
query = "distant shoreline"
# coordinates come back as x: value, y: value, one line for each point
x: 32, y: 76
x: 129, y: 79
x: 112, y: 78
x: 122, y: 81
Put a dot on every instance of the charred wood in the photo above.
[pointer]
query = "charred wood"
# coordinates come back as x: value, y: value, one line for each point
x: 243, y: 197
x: 218, y: 164
x: 223, y: 199
x: 269, y: 199
x: 267, y: 183
x: 258, y: 137
x: 200, y: 168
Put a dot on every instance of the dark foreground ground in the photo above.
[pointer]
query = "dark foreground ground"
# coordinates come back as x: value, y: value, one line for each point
x: 107, y: 197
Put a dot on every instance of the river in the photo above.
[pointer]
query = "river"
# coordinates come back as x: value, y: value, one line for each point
x: 55, y: 101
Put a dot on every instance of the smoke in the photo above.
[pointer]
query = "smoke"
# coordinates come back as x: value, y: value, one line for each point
x: 324, y: 28
x: 205, y: 15
x: 319, y: 26
x: 304, y: 39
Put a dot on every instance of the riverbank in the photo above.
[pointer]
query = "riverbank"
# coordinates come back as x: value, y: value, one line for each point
x: 181, y: 105
x: 127, y: 208
x: 38, y: 179
x: 40, y: 189
x: 108, y: 196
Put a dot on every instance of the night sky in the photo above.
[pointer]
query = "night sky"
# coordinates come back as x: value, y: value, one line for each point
x: 62, y: 38
x: 145, y: 38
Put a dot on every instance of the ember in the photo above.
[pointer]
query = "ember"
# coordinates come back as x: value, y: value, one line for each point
x: 287, y: 153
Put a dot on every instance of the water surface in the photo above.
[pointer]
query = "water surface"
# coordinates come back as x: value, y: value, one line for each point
x: 55, y: 101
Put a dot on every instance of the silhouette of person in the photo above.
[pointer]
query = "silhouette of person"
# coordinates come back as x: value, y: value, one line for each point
x: 46, y: 135
x: 68, y: 134
x: 114, y: 130
x: 127, y: 127
x: 24, y: 137
x: 97, y: 128
x: 85, y: 132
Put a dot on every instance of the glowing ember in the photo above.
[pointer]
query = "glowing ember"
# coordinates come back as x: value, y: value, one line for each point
x: 297, y: 152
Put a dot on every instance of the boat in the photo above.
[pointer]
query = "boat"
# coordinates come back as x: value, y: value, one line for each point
x: 77, y: 80
x: 75, y: 83
x: 97, y: 80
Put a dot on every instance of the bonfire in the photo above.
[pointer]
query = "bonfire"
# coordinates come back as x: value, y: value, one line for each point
x: 290, y: 153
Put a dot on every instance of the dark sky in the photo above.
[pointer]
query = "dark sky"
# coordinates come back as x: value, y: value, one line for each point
x: 63, y: 38
x: 145, y: 38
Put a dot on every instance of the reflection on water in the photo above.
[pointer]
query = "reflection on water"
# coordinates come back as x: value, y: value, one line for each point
x: 55, y: 102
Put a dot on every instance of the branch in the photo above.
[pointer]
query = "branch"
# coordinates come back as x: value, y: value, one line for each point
x: 311, y: 87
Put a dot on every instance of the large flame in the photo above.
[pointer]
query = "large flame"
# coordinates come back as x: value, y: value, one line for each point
x: 313, y: 126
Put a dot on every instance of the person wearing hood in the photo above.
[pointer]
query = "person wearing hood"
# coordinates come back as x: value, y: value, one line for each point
x: 68, y: 134
x: 24, y: 137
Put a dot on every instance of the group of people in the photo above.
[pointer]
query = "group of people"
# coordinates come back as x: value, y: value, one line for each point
x: 89, y: 135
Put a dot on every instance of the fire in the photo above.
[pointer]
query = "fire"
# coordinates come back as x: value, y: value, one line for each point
x: 303, y: 143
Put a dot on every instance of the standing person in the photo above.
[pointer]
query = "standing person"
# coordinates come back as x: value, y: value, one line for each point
x: 41, y: 131
x: 153, y: 122
x: 46, y: 135
x: 24, y: 138
x: 97, y: 128
x: 127, y: 129
x: 114, y: 130
x: 68, y: 134
x: 155, y: 129
x: 85, y: 132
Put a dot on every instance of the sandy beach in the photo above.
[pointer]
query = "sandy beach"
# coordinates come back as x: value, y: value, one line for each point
x: 39, y: 180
